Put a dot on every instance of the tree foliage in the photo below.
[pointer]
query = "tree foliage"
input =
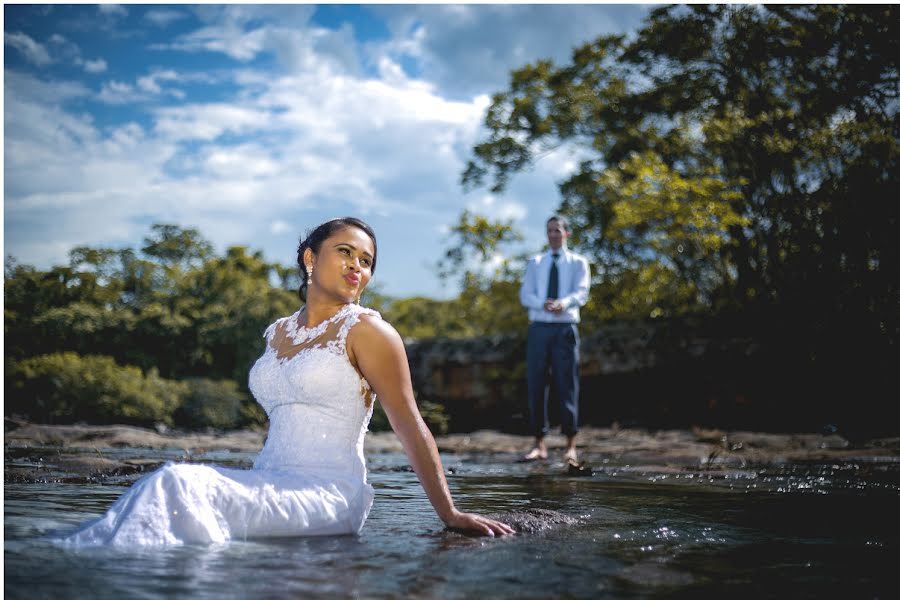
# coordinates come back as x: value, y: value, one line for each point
x: 489, y: 279
x: 173, y: 312
x: 67, y: 387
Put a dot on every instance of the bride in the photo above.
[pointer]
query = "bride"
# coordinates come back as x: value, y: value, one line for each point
x: 321, y: 370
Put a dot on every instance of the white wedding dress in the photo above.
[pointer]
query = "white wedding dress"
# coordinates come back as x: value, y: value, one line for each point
x: 309, y: 478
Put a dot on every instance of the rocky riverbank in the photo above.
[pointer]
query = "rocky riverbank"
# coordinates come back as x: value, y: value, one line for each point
x: 42, y: 453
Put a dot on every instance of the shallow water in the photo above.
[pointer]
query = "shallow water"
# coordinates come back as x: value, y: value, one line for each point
x: 795, y: 531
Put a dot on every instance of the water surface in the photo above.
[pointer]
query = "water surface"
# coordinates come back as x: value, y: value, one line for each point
x: 809, y: 530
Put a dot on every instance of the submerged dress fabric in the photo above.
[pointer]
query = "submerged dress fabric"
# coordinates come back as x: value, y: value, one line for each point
x: 310, y: 477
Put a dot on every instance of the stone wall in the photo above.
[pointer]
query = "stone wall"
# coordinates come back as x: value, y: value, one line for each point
x: 662, y: 374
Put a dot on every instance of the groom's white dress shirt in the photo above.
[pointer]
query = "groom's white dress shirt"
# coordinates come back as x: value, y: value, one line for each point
x: 574, y: 283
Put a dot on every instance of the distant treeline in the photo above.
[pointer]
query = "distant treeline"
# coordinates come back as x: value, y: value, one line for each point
x: 166, y: 334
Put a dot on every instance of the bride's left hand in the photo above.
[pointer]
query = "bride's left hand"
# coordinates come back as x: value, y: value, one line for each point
x: 478, y: 524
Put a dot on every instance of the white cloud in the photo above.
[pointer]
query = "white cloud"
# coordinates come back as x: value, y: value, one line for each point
x: 206, y: 122
x: 146, y: 87
x: 298, y: 47
x: 150, y: 83
x: 93, y: 66
x: 112, y: 10
x: 390, y: 72
x: 127, y: 136
x: 468, y: 49
x: 248, y: 161
x: 162, y: 17
x: 229, y: 40
x: 27, y: 88
x: 278, y: 227
x: 498, y: 210
x: 33, y: 52
x: 242, y: 15
x: 119, y: 92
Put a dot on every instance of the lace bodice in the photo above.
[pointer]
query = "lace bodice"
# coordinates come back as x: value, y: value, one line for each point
x: 318, y: 404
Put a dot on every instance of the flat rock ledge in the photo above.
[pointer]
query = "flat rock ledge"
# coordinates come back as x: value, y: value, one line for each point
x: 32, y: 451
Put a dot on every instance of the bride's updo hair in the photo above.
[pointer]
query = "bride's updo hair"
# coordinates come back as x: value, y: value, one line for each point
x: 321, y: 233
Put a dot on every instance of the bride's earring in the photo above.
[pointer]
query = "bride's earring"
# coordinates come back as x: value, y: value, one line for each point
x: 309, y: 271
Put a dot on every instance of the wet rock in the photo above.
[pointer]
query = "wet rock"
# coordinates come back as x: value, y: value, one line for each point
x: 74, y: 468
x: 534, y: 520
x: 95, y: 437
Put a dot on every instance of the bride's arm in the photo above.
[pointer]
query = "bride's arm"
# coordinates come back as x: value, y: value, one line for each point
x: 378, y: 352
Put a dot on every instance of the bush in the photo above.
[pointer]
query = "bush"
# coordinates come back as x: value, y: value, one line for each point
x: 209, y: 403
x: 67, y: 388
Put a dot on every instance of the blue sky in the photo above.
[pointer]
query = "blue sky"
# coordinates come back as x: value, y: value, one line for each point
x: 253, y: 123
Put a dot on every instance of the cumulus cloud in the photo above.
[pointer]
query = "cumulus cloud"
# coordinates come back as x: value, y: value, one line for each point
x: 66, y: 50
x: 119, y: 92
x: 227, y: 39
x: 209, y: 121
x: 466, y: 48
x: 31, y: 50
x: 150, y: 83
x: 244, y: 32
x: 247, y: 15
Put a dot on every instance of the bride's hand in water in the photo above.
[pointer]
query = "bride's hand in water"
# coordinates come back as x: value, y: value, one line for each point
x: 478, y: 524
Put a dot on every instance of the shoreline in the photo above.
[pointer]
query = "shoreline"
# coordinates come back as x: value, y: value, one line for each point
x: 63, y: 453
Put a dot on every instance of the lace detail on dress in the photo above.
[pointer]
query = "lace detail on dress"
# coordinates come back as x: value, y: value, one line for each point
x: 289, y: 339
x: 300, y: 334
x: 288, y: 342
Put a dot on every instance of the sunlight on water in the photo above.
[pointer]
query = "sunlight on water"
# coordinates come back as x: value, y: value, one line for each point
x: 816, y: 530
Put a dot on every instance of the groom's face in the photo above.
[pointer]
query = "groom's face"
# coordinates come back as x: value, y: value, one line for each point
x: 556, y: 234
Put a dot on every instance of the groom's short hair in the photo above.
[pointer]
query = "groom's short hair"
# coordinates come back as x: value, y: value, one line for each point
x: 562, y: 221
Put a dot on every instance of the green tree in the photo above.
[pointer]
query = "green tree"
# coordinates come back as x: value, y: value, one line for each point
x: 489, y: 280
x: 175, y: 247
x: 234, y: 304
x: 419, y: 317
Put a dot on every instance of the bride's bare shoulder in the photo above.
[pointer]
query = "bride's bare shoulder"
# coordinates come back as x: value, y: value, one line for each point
x: 373, y: 331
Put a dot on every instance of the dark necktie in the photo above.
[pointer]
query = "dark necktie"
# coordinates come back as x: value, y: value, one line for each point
x: 553, y: 286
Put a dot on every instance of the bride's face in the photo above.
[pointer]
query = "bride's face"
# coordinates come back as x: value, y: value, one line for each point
x: 343, y: 266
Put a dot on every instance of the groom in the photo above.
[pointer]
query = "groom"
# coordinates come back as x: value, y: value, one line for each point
x: 555, y: 285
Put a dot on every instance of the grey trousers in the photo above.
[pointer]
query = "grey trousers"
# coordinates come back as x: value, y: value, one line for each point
x: 553, y: 352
